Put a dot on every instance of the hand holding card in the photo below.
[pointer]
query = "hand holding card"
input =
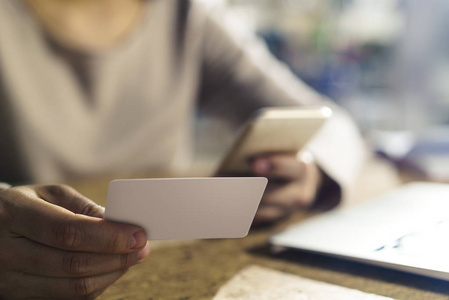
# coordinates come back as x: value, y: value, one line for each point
x: 186, y: 208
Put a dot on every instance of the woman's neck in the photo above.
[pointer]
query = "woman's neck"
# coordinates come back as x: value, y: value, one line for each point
x: 87, y: 25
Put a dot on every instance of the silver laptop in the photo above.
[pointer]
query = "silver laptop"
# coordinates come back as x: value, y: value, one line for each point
x: 407, y: 229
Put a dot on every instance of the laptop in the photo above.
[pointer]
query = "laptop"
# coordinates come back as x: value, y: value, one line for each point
x: 406, y: 229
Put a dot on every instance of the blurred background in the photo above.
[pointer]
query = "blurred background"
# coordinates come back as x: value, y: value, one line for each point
x: 385, y: 61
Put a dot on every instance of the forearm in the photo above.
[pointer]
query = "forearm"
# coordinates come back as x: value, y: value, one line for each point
x: 340, y: 152
x: 240, y: 76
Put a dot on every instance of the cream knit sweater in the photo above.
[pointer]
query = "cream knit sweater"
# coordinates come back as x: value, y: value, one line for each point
x: 133, y: 106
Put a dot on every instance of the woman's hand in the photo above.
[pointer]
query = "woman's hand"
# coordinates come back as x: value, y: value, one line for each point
x: 293, y: 182
x: 54, y: 243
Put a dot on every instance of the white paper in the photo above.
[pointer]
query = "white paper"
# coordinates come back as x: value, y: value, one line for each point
x: 259, y: 283
x: 186, y: 208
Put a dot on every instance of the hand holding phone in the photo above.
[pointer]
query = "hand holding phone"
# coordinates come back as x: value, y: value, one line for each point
x: 273, y: 130
x: 270, y: 145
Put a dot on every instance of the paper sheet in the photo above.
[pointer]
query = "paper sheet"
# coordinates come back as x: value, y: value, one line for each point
x: 259, y: 283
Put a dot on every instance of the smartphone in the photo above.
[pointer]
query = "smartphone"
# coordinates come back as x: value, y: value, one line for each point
x: 272, y: 130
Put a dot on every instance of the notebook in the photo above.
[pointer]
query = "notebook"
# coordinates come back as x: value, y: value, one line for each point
x: 406, y: 229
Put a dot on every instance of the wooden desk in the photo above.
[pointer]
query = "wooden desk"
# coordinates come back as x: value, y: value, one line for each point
x: 197, y: 269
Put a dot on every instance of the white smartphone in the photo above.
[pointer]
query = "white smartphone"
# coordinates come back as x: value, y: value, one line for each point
x: 272, y: 130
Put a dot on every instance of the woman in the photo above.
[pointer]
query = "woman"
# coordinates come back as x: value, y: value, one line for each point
x: 106, y: 86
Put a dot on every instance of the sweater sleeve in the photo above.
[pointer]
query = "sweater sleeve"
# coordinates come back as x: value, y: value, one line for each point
x: 239, y: 76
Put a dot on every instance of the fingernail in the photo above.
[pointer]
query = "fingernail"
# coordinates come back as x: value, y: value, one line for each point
x: 143, y: 253
x: 138, y: 240
x: 262, y: 166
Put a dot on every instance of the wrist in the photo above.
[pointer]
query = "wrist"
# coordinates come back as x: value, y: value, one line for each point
x: 329, y: 193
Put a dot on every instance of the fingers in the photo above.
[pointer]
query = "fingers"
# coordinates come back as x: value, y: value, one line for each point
x: 291, y: 194
x: 270, y: 213
x: 37, y: 259
x: 60, y: 228
x: 298, y: 193
x: 293, y: 183
x: 25, y: 286
x: 53, y: 245
x: 280, y: 201
x: 69, y: 198
x: 278, y: 166
x: 292, y: 176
